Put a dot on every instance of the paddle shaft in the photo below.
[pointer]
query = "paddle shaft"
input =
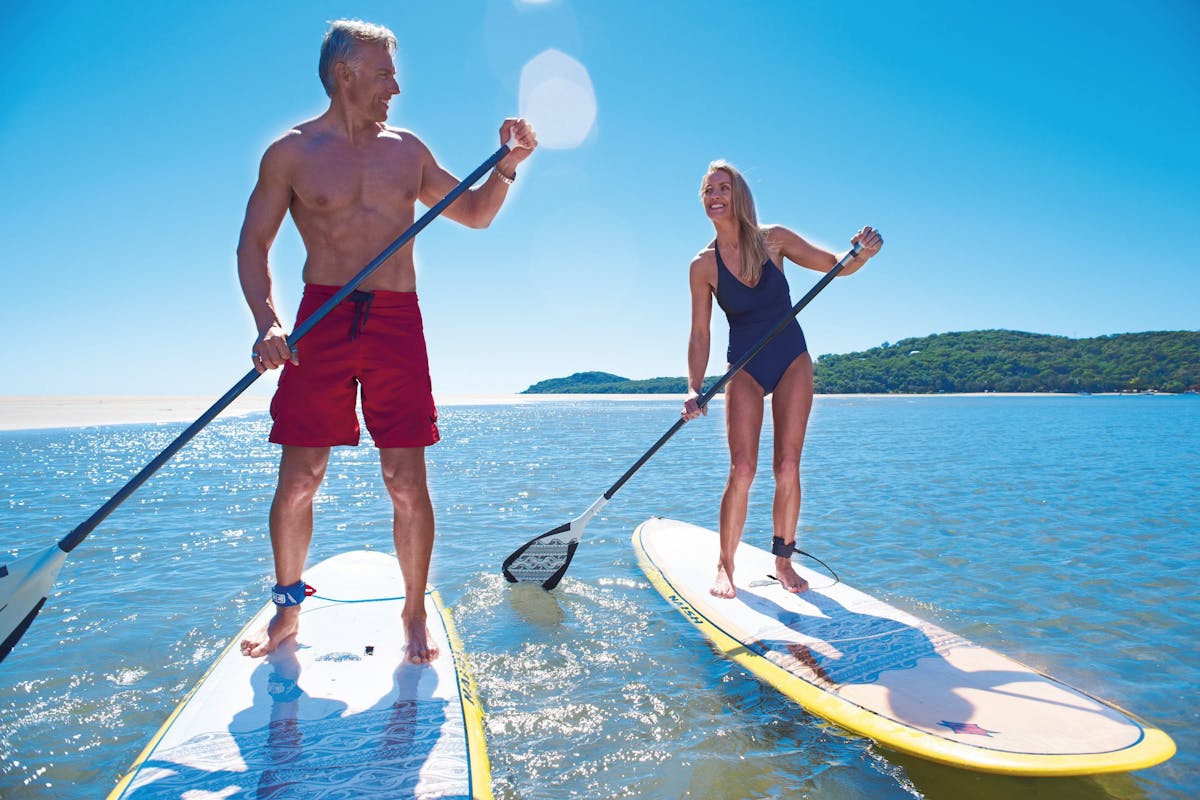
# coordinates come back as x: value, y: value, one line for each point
x: 704, y: 398
x: 71, y: 540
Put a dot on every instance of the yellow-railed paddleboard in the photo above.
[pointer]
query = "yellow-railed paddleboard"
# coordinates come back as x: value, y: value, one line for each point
x: 880, y: 672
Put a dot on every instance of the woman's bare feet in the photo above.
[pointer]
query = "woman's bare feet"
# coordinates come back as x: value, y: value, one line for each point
x: 723, y: 585
x: 787, y: 576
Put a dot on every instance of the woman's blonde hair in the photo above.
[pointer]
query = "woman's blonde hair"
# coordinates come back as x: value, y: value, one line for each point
x: 751, y: 241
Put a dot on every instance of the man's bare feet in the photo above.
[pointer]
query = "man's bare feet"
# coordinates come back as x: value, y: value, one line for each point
x: 787, y: 576
x: 417, y: 647
x: 285, y: 623
x: 723, y: 585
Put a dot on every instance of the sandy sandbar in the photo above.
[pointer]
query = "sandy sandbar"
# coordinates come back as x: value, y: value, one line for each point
x: 32, y: 413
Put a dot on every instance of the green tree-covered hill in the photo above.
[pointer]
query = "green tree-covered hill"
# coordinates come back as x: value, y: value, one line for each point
x: 607, y: 383
x: 973, y: 361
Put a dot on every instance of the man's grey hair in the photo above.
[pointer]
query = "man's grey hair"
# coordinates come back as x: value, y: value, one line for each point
x: 340, y: 40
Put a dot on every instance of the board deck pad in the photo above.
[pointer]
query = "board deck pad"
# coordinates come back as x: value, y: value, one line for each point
x: 335, y: 712
x: 881, y: 672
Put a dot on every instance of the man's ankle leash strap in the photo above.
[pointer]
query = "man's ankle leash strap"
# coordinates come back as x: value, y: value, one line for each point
x: 291, y: 595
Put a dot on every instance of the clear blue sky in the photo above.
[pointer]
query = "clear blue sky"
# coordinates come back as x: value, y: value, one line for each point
x: 1032, y: 165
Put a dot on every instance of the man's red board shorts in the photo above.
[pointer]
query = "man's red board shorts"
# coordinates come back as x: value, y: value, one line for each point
x: 371, y: 339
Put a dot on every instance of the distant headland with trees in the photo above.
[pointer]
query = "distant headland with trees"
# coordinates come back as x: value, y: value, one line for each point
x: 970, y: 362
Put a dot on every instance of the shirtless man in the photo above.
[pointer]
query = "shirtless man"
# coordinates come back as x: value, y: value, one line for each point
x: 350, y: 182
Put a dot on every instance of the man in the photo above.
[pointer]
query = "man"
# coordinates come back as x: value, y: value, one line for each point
x: 350, y: 182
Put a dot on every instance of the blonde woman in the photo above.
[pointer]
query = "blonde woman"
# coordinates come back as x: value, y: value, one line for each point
x: 743, y: 269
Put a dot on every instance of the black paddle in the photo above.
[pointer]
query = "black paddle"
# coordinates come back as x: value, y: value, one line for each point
x: 25, y: 583
x: 545, y: 558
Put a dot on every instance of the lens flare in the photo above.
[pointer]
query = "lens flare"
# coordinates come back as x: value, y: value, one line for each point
x: 556, y: 95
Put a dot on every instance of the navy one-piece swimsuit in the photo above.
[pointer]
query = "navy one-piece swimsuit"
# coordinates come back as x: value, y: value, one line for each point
x: 753, y: 312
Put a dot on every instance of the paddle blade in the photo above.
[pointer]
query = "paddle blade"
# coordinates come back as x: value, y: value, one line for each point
x: 544, y: 559
x: 24, y: 586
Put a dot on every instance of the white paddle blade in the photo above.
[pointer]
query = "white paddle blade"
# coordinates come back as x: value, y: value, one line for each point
x: 24, y: 586
x: 545, y: 559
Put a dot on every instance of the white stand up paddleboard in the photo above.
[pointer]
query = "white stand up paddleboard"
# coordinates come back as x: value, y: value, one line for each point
x: 335, y: 712
x: 880, y: 672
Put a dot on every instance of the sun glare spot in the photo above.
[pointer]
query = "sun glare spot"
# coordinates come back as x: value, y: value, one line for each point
x: 556, y: 95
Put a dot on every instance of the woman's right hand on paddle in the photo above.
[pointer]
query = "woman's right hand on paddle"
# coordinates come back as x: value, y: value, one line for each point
x: 271, y: 350
x: 692, y: 407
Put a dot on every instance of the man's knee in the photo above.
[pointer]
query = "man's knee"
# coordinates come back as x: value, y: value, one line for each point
x: 406, y: 488
x: 300, y: 475
x: 405, y: 481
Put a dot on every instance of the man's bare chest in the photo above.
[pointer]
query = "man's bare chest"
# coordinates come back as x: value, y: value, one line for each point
x: 336, y: 182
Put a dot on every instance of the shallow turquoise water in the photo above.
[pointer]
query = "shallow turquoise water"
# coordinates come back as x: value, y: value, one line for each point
x: 1058, y: 530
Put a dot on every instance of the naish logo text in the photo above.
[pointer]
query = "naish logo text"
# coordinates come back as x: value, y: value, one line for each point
x: 464, y: 683
x: 686, y: 609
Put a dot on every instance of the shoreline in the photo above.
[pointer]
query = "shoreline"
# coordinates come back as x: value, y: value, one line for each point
x: 32, y: 412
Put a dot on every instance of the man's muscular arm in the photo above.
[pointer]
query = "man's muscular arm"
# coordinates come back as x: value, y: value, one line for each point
x: 477, y: 208
x: 264, y: 214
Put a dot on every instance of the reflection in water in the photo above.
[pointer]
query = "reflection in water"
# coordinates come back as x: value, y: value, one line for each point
x: 535, y: 606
